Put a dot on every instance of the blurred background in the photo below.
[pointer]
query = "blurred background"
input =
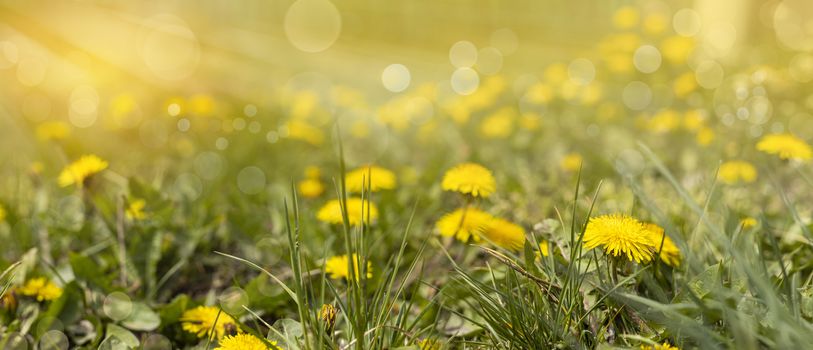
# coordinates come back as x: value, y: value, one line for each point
x: 129, y: 70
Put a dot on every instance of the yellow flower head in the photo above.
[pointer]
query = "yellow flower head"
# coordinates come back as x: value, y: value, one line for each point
x: 705, y: 136
x: 135, y: 211
x: 543, y: 249
x: 312, y: 172
x: 429, y: 344
x: 310, y: 188
x: 505, y: 234
x: 53, y: 130
x: 469, y: 178
x: 670, y: 253
x: 464, y: 224
x: 735, y: 171
x: 41, y: 289
x: 498, y: 125
x: 357, y: 211
x: 244, y: 341
x: 80, y: 170
x: 571, y: 162
x: 300, y: 130
x: 200, y: 320
x: 664, y: 346
x: 619, y: 235
x: 786, y: 146
x: 327, y: 313
x: 626, y: 17
x: 748, y: 222
x: 378, y: 178
x: 2, y: 213
x: 336, y: 267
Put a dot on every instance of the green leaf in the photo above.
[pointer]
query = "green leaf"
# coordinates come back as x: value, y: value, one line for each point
x: 113, y: 343
x: 172, y: 312
x: 128, y: 338
x: 142, y: 318
x: 85, y: 269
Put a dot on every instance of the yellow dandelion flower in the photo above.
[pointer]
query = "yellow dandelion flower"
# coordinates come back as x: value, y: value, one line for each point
x: 312, y: 172
x: 670, y: 253
x: 378, y: 178
x: 655, y: 24
x: 676, y: 49
x: 464, y: 224
x: 664, y: 346
x: 429, y: 344
x: 300, y: 130
x: 693, y: 120
x: 327, y: 313
x: 40, y: 288
x: 543, y: 249
x: 135, y: 211
x: 471, y: 179
x: 357, y: 211
x: 310, y: 188
x: 571, y: 162
x: 80, y: 170
x: 664, y: 121
x: 735, y: 171
x: 705, y: 136
x: 619, y: 235
x: 684, y: 84
x: 200, y: 320
x: 2, y: 214
x: 202, y: 105
x: 786, y: 146
x: 336, y: 267
x: 53, y: 130
x: 626, y: 17
x: 540, y: 93
x: 498, y: 125
x: 505, y: 234
x: 244, y: 341
x: 530, y: 121
x: 748, y: 222
x: 556, y: 73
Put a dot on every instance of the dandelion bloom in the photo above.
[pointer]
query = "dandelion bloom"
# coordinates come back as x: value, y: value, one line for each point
x: 310, y: 188
x: 619, y: 235
x: 428, y: 344
x: 40, y: 288
x: 505, y: 234
x: 327, y: 313
x: 464, y: 224
x: 337, y: 267
x: 53, y: 130
x: 200, y: 320
x: 664, y: 346
x: 378, y: 178
x: 748, y: 222
x: 80, y: 170
x: 135, y: 211
x: 786, y: 146
x: 736, y: 171
x: 469, y: 178
x: 244, y: 341
x: 571, y: 162
x: 670, y: 253
x: 543, y: 249
x: 357, y: 211
x: 2, y: 213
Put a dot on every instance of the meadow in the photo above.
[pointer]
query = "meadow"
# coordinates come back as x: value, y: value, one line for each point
x: 355, y: 175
